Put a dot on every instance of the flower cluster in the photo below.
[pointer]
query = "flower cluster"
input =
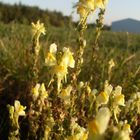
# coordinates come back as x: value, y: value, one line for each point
x: 39, y: 91
x: 59, y: 67
x: 38, y: 28
x: 84, y: 7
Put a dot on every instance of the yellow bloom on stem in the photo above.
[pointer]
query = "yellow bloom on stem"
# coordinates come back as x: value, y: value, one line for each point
x: 90, y: 4
x: 38, y: 28
x: 67, y: 58
x: 61, y: 73
x: 103, y: 97
x: 39, y: 91
x: 50, y: 59
x: 61, y: 70
x: 101, y: 3
x: 35, y: 91
x: 81, y: 11
x: 78, y: 132
x: 19, y: 109
x: 65, y: 95
x: 84, y: 7
x: 119, y: 100
x: 43, y: 92
x: 123, y: 132
x: 118, y: 97
x: 100, y: 123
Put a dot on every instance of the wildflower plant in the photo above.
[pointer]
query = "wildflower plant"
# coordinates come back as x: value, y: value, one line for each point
x: 37, y: 30
x: 66, y: 108
x: 14, y: 113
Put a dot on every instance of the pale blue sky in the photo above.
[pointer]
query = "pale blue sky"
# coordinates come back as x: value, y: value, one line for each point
x: 116, y: 9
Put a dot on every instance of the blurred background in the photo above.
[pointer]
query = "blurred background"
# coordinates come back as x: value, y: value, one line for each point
x: 58, y: 12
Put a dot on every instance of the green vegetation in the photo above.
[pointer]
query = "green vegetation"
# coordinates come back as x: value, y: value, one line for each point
x: 25, y: 14
x: 122, y: 47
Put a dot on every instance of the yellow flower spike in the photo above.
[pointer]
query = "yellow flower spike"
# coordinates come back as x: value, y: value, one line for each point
x: 81, y: 11
x: 38, y: 28
x: 84, y: 7
x: 19, y: 109
x: 101, y: 3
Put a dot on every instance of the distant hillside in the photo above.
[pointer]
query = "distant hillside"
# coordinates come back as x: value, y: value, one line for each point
x: 26, y: 14
x: 23, y: 14
x: 126, y: 25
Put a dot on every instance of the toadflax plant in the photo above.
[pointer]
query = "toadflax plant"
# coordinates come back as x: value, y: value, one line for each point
x: 14, y: 113
x: 66, y: 108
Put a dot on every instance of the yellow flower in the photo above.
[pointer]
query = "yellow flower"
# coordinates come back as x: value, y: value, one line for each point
x: 81, y: 11
x: 65, y: 95
x: 103, y: 98
x: 100, y: 123
x: 111, y: 63
x: 35, y: 90
x: 61, y: 69
x: 50, y: 59
x: 38, y: 28
x: 118, y: 97
x: 53, y: 48
x: 89, y: 4
x: 19, y: 109
x: 61, y: 73
x: 119, y: 100
x: 108, y: 88
x: 78, y: 132
x: 127, y: 128
x: 43, y: 92
x: 101, y: 3
x: 39, y: 91
x: 123, y: 132
x: 67, y: 58
x: 84, y: 7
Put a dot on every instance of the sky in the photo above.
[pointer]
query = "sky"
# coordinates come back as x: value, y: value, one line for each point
x: 116, y: 9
